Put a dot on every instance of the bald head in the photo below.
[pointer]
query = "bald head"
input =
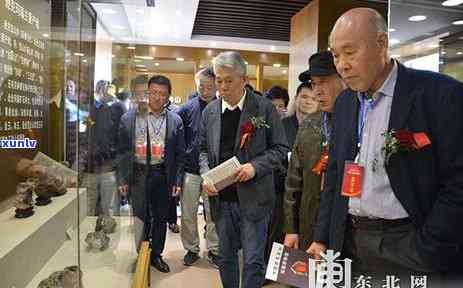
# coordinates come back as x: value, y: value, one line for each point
x: 365, y: 22
x: 359, y: 43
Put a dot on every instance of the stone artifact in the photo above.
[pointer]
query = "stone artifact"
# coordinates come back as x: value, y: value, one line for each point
x: 41, y: 190
x: 55, y: 184
x: 23, y: 200
x: 97, y: 240
x: 29, y: 169
x: 105, y: 223
x: 67, y: 278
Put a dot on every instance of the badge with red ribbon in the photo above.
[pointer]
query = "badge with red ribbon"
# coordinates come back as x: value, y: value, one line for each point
x: 403, y: 141
x: 322, y: 163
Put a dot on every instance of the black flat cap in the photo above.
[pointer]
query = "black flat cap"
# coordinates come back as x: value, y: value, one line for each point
x: 320, y: 64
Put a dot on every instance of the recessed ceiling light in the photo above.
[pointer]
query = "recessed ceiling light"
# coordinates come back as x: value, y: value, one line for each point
x: 131, y: 47
x: 79, y: 54
x: 417, y: 18
x: 277, y: 65
x: 395, y: 55
x: 180, y: 59
x: 85, y: 60
x: 109, y: 11
x: 142, y: 70
x: 284, y: 71
x: 273, y: 48
x: 459, y: 53
x: 140, y: 11
x: 156, y: 64
x: 391, y: 29
x: 46, y: 35
x: 178, y: 13
x: 140, y: 66
x: 246, y: 62
x: 394, y: 41
x: 458, y: 22
x: 450, y: 3
x: 443, y: 53
x: 144, y: 57
x: 118, y: 27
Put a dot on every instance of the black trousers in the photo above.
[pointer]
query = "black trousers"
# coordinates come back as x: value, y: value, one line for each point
x: 382, y: 252
x: 157, y: 211
x: 172, y: 217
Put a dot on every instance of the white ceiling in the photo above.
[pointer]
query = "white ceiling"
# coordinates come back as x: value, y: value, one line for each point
x: 170, y: 23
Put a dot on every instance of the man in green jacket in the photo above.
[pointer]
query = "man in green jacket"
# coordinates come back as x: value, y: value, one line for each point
x: 304, y: 179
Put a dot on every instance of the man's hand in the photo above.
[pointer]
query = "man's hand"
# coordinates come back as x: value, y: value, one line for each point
x: 315, y: 249
x: 124, y: 190
x: 209, y: 189
x: 176, y: 191
x: 246, y: 173
x: 292, y: 241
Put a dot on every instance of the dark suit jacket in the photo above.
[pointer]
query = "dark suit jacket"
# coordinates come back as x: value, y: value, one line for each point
x: 265, y: 151
x: 428, y: 183
x: 174, y: 149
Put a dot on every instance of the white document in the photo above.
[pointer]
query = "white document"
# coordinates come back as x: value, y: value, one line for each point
x: 223, y: 175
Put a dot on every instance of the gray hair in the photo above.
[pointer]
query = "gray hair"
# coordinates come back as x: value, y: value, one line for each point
x: 230, y: 59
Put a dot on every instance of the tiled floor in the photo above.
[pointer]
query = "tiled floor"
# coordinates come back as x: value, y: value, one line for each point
x: 202, y: 274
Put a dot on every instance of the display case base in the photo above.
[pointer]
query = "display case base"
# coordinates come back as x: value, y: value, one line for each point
x: 26, y: 245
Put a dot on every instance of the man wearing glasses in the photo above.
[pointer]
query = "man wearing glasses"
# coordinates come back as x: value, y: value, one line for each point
x: 151, y: 152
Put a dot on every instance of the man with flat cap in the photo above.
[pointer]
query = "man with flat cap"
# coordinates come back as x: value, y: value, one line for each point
x: 303, y: 185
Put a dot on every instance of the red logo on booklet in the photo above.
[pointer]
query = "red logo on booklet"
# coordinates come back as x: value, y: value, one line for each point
x: 352, y: 180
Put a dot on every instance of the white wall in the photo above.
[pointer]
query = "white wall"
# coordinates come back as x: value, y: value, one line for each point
x: 103, y: 54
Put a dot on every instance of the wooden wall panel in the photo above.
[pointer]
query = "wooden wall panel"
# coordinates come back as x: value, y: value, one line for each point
x: 304, y: 42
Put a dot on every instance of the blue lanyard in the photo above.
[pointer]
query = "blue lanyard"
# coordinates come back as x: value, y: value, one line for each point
x: 326, y: 129
x: 365, y: 106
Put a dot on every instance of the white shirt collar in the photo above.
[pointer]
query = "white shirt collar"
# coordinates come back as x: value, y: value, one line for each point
x: 240, y: 104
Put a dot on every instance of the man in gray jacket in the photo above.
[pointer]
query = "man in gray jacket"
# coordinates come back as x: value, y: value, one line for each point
x: 247, y: 126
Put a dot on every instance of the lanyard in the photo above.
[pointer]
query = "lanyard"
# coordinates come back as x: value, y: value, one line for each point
x: 326, y: 129
x: 365, y: 106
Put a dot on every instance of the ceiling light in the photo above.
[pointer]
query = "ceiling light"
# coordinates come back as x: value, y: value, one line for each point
x: 144, y: 57
x: 118, y: 27
x: 443, y: 53
x: 273, y: 48
x: 450, y: 3
x: 277, y: 65
x: 109, y: 11
x: 156, y: 64
x: 79, y: 54
x: 432, y: 46
x: 46, y: 35
x: 391, y: 29
x: 142, y: 70
x: 246, y: 62
x: 394, y: 41
x: 140, y: 66
x: 85, y: 60
x: 284, y: 71
x: 180, y: 59
x: 458, y: 22
x: 131, y: 47
x: 459, y: 53
x: 178, y: 13
x: 140, y: 11
x: 417, y: 18
x: 395, y: 56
